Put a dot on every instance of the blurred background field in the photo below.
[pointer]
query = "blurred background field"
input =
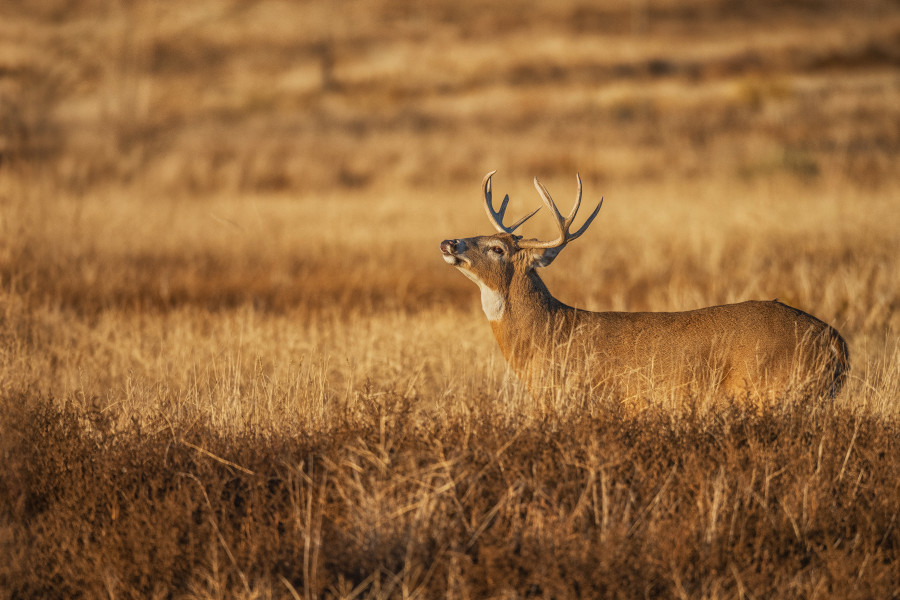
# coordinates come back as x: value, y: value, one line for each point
x: 219, y: 229
x: 306, y: 97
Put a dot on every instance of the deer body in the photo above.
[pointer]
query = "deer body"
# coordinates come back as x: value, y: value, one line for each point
x: 758, y: 349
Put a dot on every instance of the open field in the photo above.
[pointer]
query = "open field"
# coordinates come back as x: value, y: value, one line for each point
x: 233, y: 363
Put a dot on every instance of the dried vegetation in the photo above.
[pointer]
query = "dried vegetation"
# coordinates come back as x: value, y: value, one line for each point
x: 232, y: 363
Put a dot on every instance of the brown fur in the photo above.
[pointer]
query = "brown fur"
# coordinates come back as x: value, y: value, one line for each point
x: 757, y: 349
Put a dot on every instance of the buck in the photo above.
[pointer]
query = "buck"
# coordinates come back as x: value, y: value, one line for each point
x: 752, y: 349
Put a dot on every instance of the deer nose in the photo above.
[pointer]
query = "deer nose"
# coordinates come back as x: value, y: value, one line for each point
x: 449, y: 246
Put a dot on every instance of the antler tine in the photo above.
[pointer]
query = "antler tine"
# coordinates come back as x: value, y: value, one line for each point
x: 496, y: 217
x: 584, y: 227
x: 545, y: 196
x: 562, y: 223
x: 575, y: 208
x: 515, y: 225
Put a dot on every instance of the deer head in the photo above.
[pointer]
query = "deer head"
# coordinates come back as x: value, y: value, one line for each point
x: 496, y: 262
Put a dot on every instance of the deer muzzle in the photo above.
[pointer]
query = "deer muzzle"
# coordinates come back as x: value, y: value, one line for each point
x: 452, y: 249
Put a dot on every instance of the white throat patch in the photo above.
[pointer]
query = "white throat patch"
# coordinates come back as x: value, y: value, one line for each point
x: 492, y: 302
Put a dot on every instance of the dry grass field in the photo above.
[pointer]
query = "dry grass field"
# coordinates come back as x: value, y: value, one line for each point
x: 233, y: 363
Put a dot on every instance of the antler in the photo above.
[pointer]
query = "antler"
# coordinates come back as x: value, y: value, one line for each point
x: 563, y: 223
x: 496, y: 217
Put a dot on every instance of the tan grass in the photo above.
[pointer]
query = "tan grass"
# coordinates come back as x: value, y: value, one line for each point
x: 232, y: 362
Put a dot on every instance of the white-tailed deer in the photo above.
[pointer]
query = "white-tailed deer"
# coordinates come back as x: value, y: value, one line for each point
x: 752, y: 349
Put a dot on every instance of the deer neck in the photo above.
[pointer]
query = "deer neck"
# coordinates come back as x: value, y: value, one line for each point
x: 529, y: 317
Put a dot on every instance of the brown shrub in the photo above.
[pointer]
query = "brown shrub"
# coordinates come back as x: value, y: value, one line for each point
x: 774, y: 505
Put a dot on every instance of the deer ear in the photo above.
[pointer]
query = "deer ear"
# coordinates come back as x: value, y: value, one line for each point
x: 542, y: 257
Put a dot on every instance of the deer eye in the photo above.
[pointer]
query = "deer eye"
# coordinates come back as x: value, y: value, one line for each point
x: 497, y: 250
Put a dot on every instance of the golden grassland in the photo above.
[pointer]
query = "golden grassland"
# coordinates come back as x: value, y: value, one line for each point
x: 233, y: 364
